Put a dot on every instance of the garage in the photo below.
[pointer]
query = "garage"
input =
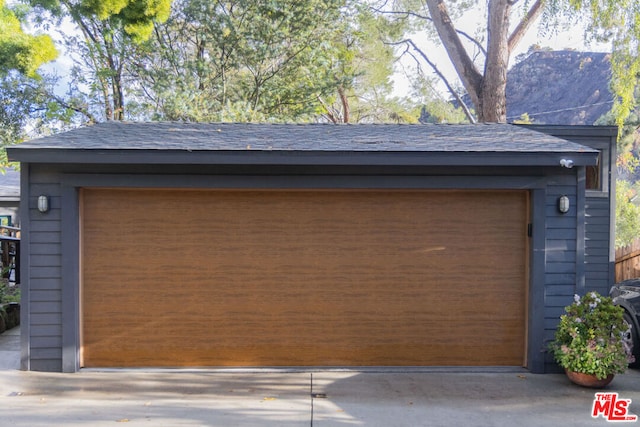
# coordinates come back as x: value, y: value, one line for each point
x: 243, y: 245
x: 261, y: 278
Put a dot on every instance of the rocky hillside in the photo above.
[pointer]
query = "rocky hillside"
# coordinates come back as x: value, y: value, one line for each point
x: 560, y: 87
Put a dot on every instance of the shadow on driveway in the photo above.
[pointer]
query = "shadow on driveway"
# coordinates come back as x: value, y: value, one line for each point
x: 206, y: 398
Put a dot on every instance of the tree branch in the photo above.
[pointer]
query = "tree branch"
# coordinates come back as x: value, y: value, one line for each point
x: 63, y: 103
x: 345, y: 104
x: 444, y: 79
x: 82, y: 111
x: 329, y: 114
x: 428, y: 18
x: 527, y: 21
x: 464, y: 66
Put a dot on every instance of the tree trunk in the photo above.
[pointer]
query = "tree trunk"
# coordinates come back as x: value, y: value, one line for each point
x: 492, y: 99
x: 118, y: 97
x: 346, y: 113
x: 462, y: 62
x: 487, y: 90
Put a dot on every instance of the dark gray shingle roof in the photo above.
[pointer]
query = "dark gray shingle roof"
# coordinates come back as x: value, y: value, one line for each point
x: 303, y: 137
x: 233, y: 143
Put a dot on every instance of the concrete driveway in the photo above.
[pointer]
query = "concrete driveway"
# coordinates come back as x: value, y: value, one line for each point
x: 208, y: 398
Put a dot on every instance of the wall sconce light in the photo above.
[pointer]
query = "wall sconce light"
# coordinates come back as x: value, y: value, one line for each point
x: 43, y: 204
x: 563, y: 204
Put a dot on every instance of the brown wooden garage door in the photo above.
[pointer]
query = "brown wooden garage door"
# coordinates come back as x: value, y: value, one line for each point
x: 303, y: 278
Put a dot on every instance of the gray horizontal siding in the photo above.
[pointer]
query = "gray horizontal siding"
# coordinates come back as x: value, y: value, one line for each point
x: 558, y: 280
x: 46, y: 237
x: 45, y: 273
x: 598, y: 251
x: 46, y: 331
x: 46, y: 260
x: 561, y: 257
x: 49, y: 341
x: 49, y: 353
x: 556, y: 300
x: 566, y: 234
x: 45, y: 225
x: 48, y: 317
x: 46, y: 307
x: 46, y: 365
x: 39, y: 295
x: 561, y: 267
x: 45, y: 248
x: 560, y: 290
x: 44, y: 284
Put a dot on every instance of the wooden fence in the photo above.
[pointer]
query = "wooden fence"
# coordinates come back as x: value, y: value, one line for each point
x: 628, y: 261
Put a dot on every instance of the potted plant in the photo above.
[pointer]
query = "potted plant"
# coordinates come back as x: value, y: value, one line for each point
x: 590, y: 342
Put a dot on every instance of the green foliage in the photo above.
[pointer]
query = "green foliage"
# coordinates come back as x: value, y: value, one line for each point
x: 21, y: 55
x: 240, y: 60
x: 590, y: 337
x: 135, y: 17
x: 362, y: 75
x: 523, y: 120
x: 439, y: 111
x: 245, y: 60
x: 20, y: 51
x: 627, y: 187
x: 27, y: 103
x: 102, y: 51
x: 627, y: 213
x: 8, y: 294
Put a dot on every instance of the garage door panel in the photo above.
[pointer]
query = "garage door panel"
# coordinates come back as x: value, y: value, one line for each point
x: 277, y: 278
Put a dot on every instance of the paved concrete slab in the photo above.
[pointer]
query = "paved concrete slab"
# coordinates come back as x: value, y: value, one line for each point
x: 461, y: 399
x: 287, y: 399
x: 321, y: 399
x: 159, y: 399
x: 10, y: 349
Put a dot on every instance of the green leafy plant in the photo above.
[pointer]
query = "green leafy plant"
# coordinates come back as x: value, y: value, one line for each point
x: 590, y: 338
x: 7, y: 294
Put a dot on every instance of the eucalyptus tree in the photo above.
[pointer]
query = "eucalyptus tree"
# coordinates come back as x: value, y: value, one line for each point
x: 480, y: 56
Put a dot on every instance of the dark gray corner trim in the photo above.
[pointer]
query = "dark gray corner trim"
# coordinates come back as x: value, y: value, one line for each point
x: 612, y: 212
x: 70, y: 279
x: 581, y: 230
x: 25, y: 266
x: 321, y: 158
x: 536, y: 346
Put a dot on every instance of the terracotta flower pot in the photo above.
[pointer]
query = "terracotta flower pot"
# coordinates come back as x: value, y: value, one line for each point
x: 588, y: 380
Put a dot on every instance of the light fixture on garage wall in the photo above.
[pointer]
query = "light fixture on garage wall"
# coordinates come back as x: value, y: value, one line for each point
x: 43, y: 203
x: 566, y: 163
x: 563, y: 204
